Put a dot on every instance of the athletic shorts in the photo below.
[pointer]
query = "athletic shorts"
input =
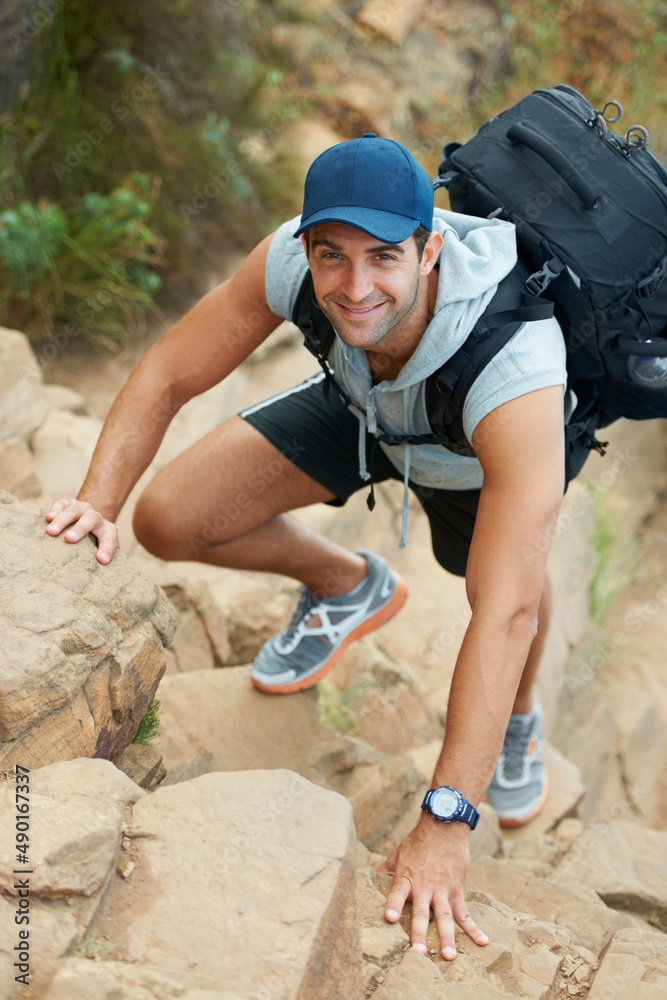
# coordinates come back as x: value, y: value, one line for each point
x: 314, y: 429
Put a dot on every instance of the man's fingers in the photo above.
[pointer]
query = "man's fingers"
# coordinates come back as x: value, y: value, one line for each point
x: 107, y: 542
x: 400, y: 891
x: 421, y: 912
x: 60, y: 514
x: 462, y: 916
x: 81, y: 519
x: 445, y: 922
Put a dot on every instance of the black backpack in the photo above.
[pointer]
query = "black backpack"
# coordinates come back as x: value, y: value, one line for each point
x: 590, y: 210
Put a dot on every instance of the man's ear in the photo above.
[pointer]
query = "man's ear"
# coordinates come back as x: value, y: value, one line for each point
x: 305, y: 243
x: 432, y: 249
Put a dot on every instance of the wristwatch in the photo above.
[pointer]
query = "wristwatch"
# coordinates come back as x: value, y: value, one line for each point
x: 448, y: 805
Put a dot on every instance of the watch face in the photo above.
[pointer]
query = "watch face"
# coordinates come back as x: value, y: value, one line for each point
x: 444, y: 802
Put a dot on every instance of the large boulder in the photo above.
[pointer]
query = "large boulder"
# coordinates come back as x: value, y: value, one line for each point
x: 241, y: 882
x: 82, y: 644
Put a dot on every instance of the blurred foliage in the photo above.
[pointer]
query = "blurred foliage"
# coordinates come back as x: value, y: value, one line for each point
x: 187, y: 94
x: 607, y: 49
x: 85, y: 270
x: 195, y: 96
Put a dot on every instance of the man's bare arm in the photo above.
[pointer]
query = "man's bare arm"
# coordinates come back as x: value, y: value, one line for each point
x: 210, y: 342
x: 520, y: 448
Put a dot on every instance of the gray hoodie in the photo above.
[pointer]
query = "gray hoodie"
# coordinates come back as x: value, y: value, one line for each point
x: 476, y: 255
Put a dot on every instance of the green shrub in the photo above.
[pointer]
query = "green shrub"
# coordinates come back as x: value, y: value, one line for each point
x: 148, y: 734
x: 88, y: 269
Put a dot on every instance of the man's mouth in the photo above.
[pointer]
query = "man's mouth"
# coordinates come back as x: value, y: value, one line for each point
x: 358, y: 312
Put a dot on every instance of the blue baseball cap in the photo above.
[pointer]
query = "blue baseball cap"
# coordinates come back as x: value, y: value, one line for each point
x: 373, y: 184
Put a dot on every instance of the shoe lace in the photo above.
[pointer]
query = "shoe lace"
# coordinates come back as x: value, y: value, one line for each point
x: 515, y: 746
x: 307, y: 602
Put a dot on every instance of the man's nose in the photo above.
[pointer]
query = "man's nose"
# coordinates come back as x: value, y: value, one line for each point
x: 357, y: 282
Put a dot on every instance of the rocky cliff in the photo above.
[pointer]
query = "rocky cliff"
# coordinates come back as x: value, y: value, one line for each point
x: 238, y: 858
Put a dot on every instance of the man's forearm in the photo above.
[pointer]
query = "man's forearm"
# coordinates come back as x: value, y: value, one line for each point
x: 487, y: 673
x: 131, y: 436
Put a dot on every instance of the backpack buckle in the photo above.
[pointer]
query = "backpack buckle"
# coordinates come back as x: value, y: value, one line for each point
x: 540, y: 280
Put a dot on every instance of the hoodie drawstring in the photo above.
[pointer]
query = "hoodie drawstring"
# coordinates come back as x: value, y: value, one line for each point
x: 368, y: 424
x: 406, y: 499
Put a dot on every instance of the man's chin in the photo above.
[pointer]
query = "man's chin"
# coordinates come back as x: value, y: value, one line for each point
x: 366, y: 339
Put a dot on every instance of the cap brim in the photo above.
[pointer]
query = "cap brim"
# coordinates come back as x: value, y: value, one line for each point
x: 384, y: 226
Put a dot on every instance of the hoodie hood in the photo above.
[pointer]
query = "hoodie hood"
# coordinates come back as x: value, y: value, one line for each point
x: 476, y: 255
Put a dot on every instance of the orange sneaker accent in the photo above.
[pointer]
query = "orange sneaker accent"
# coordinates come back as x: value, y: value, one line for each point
x: 508, y: 824
x: 381, y: 616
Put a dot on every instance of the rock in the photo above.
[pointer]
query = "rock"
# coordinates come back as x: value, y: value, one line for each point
x: 142, y: 764
x: 201, y: 763
x: 644, y: 762
x: 380, y: 788
x: 275, y: 856
x: 71, y: 862
x: 81, y: 979
x: 17, y: 475
x: 68, y: 858
x: 589, y: 734
x: 259, y: 732
x: 646, y: 944
x: 624, y: 976
x: 23, y: 404
x: 625, y: 864
x: 577, y: 908
x: 264, y: 731
x: 201, y: 640
x: 542, y: 849
x: 62, y: 448
x: 256, y: 606
x: 82, y: 644
x: 416, y: 978
x: 392, y: 20
x: 386, y: 702
x: 481, y: 990
x: 523, y: 955
x: 382, y: 943
x: 61, y: 397
x: 565, y: 792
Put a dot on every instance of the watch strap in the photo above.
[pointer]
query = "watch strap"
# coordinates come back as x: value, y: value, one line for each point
x: 468, y: 814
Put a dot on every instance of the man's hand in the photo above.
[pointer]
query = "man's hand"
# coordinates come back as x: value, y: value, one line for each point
x: 85, y: 521
x: 429, y: 867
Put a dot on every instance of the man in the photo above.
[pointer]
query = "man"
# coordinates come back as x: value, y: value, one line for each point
x: 402, y: 287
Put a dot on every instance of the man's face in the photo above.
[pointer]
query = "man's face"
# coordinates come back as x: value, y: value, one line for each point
x: 366, y: 288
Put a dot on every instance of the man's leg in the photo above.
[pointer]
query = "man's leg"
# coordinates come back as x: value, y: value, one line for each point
x: 524, y: 697
x: 223, y: 501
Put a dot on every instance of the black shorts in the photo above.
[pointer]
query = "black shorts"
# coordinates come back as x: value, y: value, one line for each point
x: 319, y: 434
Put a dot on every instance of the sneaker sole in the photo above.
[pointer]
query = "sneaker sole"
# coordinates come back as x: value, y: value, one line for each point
x: 510, y: 824
x: 382, y: 615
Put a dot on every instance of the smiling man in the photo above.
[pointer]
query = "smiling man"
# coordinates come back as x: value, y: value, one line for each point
x: 402, y: 285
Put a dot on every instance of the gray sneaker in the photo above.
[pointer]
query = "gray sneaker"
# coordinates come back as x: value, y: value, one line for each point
x: 299, y: 657
x: 520, y: 785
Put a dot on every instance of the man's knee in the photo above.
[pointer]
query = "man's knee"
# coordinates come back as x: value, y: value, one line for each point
x: 151, y: 524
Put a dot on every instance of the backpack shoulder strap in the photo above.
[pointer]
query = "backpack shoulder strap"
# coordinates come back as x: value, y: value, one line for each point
x: 446, y: 389
x: 318, y: 333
